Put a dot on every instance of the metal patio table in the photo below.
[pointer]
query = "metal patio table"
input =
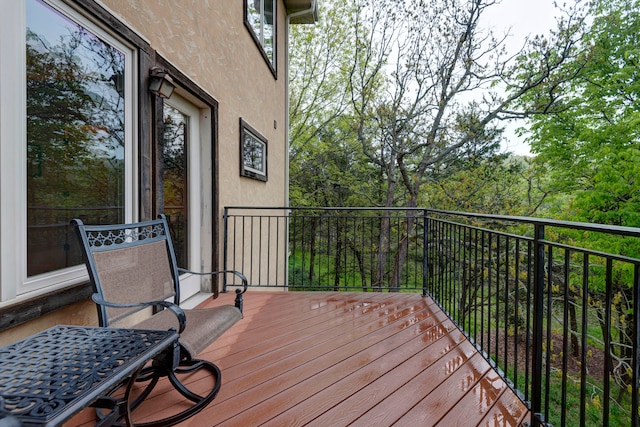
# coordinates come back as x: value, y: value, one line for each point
x: 48, y: 377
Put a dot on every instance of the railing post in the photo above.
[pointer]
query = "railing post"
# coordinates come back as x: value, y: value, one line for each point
x: 425, y: 253
x: 636, y: 352
x: 538, y: 317
x: 224, y: 248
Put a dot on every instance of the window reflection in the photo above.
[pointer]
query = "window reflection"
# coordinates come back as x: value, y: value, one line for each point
x: 174, y: 176
x: 260, y: 16
x: 75, y: 135
x: 253, y: 147
x: 253, y: 153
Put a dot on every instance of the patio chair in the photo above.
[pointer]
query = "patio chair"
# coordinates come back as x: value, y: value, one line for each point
x: 134, y: 274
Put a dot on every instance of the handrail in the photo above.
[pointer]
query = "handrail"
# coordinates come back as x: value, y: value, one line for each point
x: 576, y: 225
x: 558, y: 318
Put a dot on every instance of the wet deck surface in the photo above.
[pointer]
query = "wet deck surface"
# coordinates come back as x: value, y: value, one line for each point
x: 337, y: 359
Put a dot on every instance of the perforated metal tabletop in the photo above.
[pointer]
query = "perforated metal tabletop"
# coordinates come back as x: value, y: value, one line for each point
x: 48, y: 377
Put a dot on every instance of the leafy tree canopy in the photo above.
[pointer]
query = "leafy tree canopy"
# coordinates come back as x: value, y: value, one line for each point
x: 590, y: 142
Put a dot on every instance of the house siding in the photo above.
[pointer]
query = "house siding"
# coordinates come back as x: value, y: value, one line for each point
x: 207, y: 41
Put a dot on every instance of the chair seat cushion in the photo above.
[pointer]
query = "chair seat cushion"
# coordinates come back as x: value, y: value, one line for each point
x: 204, y: 325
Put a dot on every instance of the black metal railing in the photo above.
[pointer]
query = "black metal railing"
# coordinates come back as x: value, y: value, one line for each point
x: 327, y: 248
x: 552, y: 305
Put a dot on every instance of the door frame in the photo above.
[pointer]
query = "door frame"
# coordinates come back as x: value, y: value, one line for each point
x: 208, y: 221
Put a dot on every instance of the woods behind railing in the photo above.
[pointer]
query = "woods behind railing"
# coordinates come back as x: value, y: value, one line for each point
x: 553, y: 305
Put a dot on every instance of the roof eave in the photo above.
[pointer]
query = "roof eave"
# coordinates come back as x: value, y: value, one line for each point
x: 297, y: 6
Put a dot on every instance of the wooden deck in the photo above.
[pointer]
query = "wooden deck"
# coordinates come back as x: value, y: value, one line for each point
x: 337, y: 359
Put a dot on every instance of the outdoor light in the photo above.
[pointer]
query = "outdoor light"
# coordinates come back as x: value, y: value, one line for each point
x: 161, y: 83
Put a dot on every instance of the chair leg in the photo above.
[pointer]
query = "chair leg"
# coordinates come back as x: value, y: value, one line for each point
x: 200, y: 402
x: 239, y: 302
x: 185, y: 367
x: 193, y: 366
x: 148, y: 374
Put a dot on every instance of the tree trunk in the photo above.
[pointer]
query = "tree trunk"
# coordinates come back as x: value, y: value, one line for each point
x: 383, y: 241
x: 338, y: 256
x: 312, y: 249
x: 358, y: 254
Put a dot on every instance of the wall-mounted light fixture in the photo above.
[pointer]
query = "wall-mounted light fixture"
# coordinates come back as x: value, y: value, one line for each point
x: 160, y: 83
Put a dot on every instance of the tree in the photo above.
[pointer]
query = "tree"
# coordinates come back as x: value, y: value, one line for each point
x: 321, y: 145
x: 438, y: 108
x: 422, y: 82
x: 590, y: 145
x: 503, y: 183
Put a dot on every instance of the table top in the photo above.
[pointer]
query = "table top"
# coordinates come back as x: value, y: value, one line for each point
x: 48, y: 377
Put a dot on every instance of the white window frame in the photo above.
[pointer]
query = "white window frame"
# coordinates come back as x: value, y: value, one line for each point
x: 14, y: 283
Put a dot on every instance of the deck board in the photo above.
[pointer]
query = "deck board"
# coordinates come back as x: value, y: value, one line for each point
x: 334, y: 359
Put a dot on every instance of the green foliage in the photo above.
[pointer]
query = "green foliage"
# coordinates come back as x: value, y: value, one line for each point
x: 503, y: 184
x: 590, y: 145
x: 404, y: 94
x: 326, y: 163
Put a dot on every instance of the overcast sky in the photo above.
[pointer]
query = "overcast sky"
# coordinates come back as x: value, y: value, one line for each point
x: 521, y: 18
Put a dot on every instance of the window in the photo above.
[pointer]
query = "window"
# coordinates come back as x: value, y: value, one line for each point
x: 71, y: 89
x: 253, y: 153
x: 260, y: 19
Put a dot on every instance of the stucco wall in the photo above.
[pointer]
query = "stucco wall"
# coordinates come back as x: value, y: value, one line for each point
x: 207, y: 40
x: 81, y: 313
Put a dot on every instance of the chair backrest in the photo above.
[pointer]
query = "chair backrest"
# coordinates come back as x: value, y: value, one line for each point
x: 129, y: 263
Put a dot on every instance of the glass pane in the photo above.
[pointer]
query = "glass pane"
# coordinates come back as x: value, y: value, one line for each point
x: 268, y: 31
x: 253, y: 153
x: 260, y: 14
x: 253, y: 15
x: 174, y: 177
x: 75, y: 135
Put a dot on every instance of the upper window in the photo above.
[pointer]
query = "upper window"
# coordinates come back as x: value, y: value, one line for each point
x: 260, y: 18
x: 73, y: 93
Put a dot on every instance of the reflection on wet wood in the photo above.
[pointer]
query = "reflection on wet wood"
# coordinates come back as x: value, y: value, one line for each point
x: 334, y: 359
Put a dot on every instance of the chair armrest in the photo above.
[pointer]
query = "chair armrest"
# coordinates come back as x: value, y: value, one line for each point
x: 245, y: 283
x: 175, y: 309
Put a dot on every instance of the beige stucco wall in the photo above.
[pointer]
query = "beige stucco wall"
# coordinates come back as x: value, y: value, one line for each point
x: 81, y: 313
x: 207, y: 40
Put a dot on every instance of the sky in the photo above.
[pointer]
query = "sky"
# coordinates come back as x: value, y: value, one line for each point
x: 521, y: 18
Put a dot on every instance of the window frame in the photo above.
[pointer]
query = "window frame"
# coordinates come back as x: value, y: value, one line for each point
x: 246, y: 170
x: 257, y: 38
x: 15, y: 285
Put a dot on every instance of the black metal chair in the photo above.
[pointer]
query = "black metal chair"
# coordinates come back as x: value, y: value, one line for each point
x: 136, y: 281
